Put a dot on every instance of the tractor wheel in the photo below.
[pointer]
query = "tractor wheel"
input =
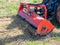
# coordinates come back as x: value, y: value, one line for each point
x: 52, y: 8
x: 58, y: 14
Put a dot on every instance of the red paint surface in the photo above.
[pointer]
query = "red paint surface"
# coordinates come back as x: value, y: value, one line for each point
x: 36, y: 20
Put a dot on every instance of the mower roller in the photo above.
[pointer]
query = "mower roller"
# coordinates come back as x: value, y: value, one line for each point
x: 36, y: 15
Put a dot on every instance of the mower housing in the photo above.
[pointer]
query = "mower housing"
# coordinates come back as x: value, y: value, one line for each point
x: 27, y: 11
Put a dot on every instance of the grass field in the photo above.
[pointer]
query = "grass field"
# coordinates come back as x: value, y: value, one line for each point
x: 10, y: 7
x: 12, y: 29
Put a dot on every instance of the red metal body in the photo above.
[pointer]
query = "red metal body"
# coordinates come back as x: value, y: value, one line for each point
x: 43, y: 25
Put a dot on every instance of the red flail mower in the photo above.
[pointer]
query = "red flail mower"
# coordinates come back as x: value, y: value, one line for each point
x: 36, y: 15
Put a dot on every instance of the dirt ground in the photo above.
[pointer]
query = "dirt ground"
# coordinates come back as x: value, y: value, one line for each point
x: 13, y: 31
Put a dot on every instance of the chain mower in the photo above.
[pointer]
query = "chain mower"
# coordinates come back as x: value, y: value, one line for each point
x: 36, y: 15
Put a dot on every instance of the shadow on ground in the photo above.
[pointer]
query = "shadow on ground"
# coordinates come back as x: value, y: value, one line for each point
x: 21, y: 24
x: 55, y: 22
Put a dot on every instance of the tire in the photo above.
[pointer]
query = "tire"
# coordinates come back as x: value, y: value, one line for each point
x: 58, y: 14
x: 52, y: 8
